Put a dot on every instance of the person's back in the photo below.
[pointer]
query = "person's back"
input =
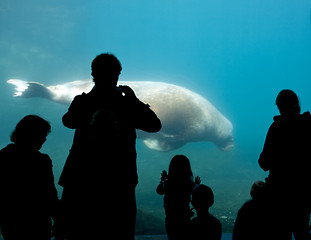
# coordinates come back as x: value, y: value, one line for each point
x: 25, y: 194
x: 176, y: 186
x: 287, y: 147
x: 130, y: 112
x: 82, y: 146
x: 287, y: 150
x: 286, y: 155
x: 205, y: 226
x: 256, y: 219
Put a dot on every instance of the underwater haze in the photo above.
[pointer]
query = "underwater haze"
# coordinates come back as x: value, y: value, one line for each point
x: 236, y: 54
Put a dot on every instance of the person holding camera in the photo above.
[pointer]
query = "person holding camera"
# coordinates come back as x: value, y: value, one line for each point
x: 116, y: 157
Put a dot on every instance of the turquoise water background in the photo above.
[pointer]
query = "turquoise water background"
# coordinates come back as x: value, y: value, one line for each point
x: 237, y: 54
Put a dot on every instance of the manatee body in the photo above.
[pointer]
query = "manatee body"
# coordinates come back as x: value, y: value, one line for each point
x: 185, y: 115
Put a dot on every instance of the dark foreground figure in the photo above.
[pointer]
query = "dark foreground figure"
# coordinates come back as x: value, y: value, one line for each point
x: 204, y: 225
x: 100, y: 174
x: 286, y: 155
x: 177, y: 186
x: 28, y: 197
x: 254, y: 218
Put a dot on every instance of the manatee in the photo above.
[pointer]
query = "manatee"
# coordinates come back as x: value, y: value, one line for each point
x: 185, y: 115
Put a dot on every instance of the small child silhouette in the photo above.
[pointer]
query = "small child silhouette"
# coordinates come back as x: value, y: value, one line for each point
x: 205, y: 225
x: 176, y: 186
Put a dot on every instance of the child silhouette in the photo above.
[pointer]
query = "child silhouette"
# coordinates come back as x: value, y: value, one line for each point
x: 205, y: 225
x: 176, y: 186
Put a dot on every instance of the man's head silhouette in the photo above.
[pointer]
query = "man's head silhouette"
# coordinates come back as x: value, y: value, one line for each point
x: 106, y: 69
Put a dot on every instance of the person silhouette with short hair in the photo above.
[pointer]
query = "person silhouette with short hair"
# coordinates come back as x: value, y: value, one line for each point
x: 176, y: 186
x: 286, y: 155
x: 204, y: 225
x: 28, y: 195
x: 88, y: 160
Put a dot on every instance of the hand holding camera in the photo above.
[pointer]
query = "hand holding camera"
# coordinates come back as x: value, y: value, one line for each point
x: 127, y: 92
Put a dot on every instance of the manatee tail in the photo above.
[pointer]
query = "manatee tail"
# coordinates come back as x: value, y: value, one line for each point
x: 29, y: 89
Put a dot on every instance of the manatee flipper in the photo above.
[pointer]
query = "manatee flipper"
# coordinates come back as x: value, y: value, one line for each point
x: 30, y: 89
x: 162, y: 144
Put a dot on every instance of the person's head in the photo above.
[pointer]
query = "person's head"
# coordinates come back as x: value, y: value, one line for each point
x: 288, y: 103
x: 106, y: 69
x: 180, y: 169
x: 31, y: 132
x: 258, y: 190
x: 202, y: 198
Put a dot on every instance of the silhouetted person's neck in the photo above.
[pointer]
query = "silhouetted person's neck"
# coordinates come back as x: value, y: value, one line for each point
x: 291, y: 111
x: 105, y: 85
x: 203, y: 213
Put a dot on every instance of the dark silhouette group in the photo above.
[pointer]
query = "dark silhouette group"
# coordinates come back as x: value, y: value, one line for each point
x: 100, y: 174
x: 179, y: 189
x: 281, y: 205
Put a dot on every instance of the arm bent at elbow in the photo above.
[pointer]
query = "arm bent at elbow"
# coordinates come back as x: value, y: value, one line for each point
x: 146, y: 119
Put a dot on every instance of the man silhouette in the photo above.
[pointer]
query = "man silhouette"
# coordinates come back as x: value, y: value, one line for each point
x: 88, y: 161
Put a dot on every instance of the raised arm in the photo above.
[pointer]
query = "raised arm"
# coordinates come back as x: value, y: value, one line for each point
x: 145, y: 119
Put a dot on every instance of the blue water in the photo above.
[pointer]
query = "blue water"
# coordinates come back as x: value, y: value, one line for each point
x: 237, y: 54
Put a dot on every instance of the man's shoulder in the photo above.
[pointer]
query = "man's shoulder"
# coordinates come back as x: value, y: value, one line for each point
x: 82, y: 95
x: 81, y: 98
x: 8, y: 149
